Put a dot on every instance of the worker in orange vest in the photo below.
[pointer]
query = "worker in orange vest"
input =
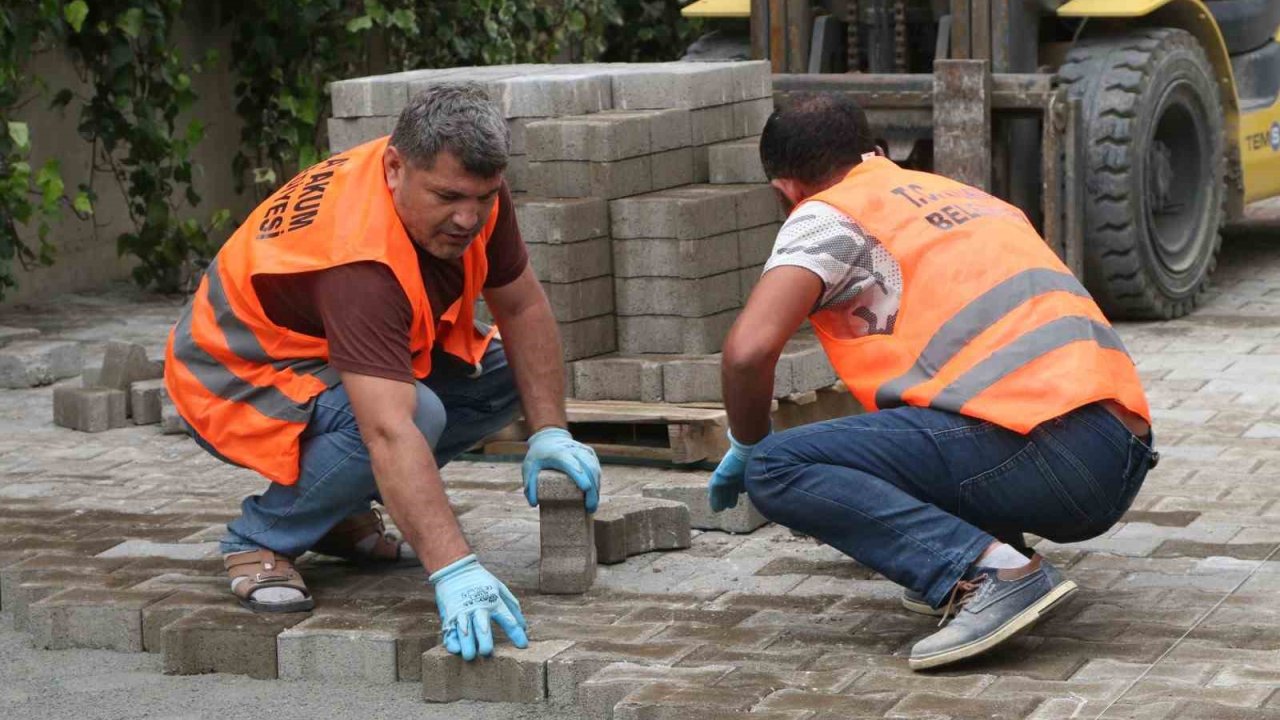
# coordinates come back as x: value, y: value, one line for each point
x: 332, y: 346
x: 1000, y: 400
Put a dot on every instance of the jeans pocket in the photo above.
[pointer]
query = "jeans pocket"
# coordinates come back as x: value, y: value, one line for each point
x: 1137, y: 464
x: 1022, y: 494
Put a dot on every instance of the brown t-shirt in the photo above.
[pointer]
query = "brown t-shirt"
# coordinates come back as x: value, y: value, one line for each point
x: 362, y: 311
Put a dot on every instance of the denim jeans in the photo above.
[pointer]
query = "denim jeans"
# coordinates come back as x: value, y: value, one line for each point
x: 457, y: 407
x: 918, y: 494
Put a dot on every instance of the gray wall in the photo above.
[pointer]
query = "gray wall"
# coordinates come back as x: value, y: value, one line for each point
x: 86, y: 257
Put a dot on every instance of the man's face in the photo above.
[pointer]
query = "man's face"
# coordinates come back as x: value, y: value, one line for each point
x: 443, y: 207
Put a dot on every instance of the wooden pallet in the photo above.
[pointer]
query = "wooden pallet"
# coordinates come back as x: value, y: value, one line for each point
x: 678, y: 434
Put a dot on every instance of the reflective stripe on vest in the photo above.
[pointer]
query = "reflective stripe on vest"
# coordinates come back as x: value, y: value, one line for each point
x: 990, y: 324
x: 248, y: 386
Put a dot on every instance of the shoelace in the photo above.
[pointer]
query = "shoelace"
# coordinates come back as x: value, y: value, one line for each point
x: 961, y: 594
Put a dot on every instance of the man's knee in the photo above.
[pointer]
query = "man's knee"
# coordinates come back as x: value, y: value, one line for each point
x: 766, y: 466
x: 429, y: 416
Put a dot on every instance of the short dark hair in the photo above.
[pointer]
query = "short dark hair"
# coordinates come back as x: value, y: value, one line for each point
x: 813, y: 137
x: 458, y: 117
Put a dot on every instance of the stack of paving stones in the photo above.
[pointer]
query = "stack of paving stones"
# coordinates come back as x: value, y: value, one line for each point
x: 127, y: 385
x: 26, y: 361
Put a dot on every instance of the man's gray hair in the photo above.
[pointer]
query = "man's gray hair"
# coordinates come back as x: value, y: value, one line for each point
x: 460, y: 118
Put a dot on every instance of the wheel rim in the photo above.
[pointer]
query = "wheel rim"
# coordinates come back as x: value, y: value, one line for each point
x: 1175, y: 193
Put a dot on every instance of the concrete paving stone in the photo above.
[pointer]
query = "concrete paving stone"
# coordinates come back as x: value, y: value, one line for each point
x: 801, y: 700
x: 518, y: 133
x: 749, y: 117
x: 735, y: 161
x: 517, y: 173
x: 673, y: 334
x: 690, y: 298
x: 567, y: 561
x: 670, y: 129
x: 920, y: 704
x: 91, y: 410
x: 602, y: 137
x: 748, y: 278
x: 680, y: 85
x: 31, y: 568
x: 21, y: 597
x: 618, y: 378
x: 144, y: 401
x: 671, y: 168
x: 606, y: 688
x: 89, y: 376
x: 562, y: 220
x: 755, y: 244
x: 684, y: 701
x: 692, y: 379
x: 668, y: 257
x: 701, y: 164
x: 126, y: 363
x: 576, y: 179
x: 9, y: 334
x: 346, y: 133
x: 33, y: 363
x: 1162, y: 519
x: 582, y: 299
x: 634, y: 526
x: 171, y: 423
x: 810, y: 369
x: 589, y: 338
x: 711, y: 125
x: 553, y: 94
x: 383, y: 95
x: 178, y: 604
x: 847, y: 568
x: 91, y: 618
x: 574, y: 666
x: 173, y: 551
x: 741, y: 519
x: 239, y: 642
x: 511, y: 675
x: 338, y: 647
x: 753, y: 79
x: 571, y: 262
x: 754, y: 204
x: 684, y: 213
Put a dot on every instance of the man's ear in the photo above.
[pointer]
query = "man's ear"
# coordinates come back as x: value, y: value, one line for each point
x: 393, y: 167
x: 793, y: 190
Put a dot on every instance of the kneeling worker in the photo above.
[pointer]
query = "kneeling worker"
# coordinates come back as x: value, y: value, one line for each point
x: 331, y: 347
x: 1001, y: 400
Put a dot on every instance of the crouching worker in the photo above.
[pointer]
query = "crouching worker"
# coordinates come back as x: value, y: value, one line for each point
x: 1000, y: 401
x: 332, y: 347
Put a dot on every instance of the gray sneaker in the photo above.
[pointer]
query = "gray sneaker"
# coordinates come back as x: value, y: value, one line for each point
x: 990, y: 609
x: 915, y: 602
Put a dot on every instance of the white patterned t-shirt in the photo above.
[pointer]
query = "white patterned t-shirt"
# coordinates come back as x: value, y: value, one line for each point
x: 862, y: 282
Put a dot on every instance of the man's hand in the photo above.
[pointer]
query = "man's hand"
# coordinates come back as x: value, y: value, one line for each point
x: 554, y: 448
x: 468, y: 597
x: 729, y: 479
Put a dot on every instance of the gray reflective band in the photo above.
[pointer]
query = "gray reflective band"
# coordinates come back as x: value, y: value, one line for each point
x: 1044, y: 339
x: 220, y: 381
x: 981, y: 313
x: 244, y: 343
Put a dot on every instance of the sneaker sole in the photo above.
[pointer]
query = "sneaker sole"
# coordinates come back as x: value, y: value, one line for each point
x: 1015, y: 625
x: 921, y: 608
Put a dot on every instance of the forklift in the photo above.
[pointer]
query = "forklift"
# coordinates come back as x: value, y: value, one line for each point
x: 1129, y: 131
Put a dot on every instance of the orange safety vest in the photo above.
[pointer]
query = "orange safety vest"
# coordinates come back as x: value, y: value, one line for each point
x: 247, y: 385
x: 990, y: 323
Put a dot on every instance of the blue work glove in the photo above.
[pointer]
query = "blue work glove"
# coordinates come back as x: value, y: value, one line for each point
x: 729, y: 480
x: 468, y: 596
x: 554, y: 448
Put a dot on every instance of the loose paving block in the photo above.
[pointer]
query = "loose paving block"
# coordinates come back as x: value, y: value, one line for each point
x: 179, y: 604
x: 680, y: 85
x: 511, y: 675
x: 572, y: 262
x: 697, y: 378
x: 569, y: 669
x: 753, y: 204
x: 691, y: 298
x: 32, y: 363
x: 810, y: 369
x: 676, y: 213
x: 124, y: 364
x: 91, y: 618
x: 668, y: 257
x: 517, y: 173
x: 20, y: 597
x: 753, y: 79
x: 89, y: 376
x: 741, y: 519
x: 340, y: 647
x: 32, y: 568
x: 346, y: 133
x: 618, y: 378
x: 673, y: 334
x: 239, y: 642
x: 672, y: 168
x: 562, y: 220
x: 567, y: 560
x: 603, y: 137
x: 747, y: 279
x: 144, y: 401
x: 10, y: 334
x: 362, y: 97
x: 755, y: 245
x: 589, y: 338
x: 736, y: 161
x: 553, y: 94
x: 89, y: 409
x: 576, y: 179
x: 582, y: 299
x: 749, y: 117
x: 711, y: 125
x: 634, y: 526
x: 171, y: 423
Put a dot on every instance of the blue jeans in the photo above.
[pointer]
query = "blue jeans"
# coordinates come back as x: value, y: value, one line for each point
x: 917, y: 494
x: 456, y: 408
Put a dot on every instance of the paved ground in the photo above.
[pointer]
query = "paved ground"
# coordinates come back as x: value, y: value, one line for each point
x: 1177, y: 617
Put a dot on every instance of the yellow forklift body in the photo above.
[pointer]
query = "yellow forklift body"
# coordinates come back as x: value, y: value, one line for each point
x: 717, y: 9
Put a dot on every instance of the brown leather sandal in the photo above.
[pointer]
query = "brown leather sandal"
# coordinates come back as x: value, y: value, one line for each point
x: 265, y: 569
x: 342, y: 541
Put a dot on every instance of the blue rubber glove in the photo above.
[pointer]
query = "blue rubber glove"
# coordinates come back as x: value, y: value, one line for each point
x: 468, y: 596
x: 729, y: 480
x: 554, y: 448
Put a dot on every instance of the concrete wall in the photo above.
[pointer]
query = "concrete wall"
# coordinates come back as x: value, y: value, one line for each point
x: 86, y: 257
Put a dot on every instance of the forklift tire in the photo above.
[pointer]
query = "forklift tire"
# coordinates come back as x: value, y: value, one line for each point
x: 1154, y: 170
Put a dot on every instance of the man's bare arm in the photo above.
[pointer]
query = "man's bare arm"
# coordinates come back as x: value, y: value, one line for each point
x: 777, y: 306
x: 531, y: 339
x: 405, y: 468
